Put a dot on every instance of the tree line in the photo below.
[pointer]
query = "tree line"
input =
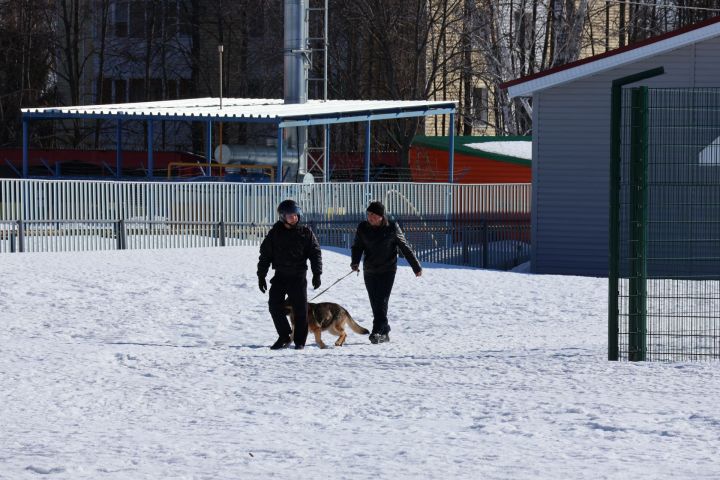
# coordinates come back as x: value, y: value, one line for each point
x: 379, y: 49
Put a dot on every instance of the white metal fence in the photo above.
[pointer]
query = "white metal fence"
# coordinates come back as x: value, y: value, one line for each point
x: 67, y: 215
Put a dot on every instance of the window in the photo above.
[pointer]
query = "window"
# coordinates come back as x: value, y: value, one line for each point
x: 171, y: 90
x: 155, y: 89
x: 137, y: 19
x: 171, y: 18
x: 186, y: 88
x: 185, y: 17
x: 137, y: 89
x: 480, y: 105
x: 120, y: 91
x: 255, y: 88
x: 256, y: 18
x: 106, y: 96
x: 121, y: 19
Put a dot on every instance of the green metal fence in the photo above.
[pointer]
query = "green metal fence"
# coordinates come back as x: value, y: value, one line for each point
x: 666, y: 247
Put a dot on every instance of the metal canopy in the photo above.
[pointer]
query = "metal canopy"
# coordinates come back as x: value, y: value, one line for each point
x: 262, y: 110
x: 247, y: 110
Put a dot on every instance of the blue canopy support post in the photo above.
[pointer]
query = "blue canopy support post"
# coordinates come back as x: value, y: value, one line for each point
x: 151, y: 160
x: 118, y: 149
x: 326, y: 157
x: 451, y: 178
x: 367, y: 151
x: 451, y: 150
x: 278, y: 173
x: 25, y: 168
x: 208, y: 146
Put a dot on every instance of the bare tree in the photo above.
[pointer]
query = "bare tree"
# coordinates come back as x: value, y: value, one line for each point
x: 103, y: 18
x: 73, y: 41
x: 400, y: 49
x: 25, y: 61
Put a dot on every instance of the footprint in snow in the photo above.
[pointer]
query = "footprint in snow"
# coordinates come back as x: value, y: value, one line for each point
x: 44, y: 471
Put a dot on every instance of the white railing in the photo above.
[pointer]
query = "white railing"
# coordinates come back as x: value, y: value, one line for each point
x: 65, y: 215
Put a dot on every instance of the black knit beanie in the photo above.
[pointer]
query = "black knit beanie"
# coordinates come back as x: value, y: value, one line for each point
x: 377, y: 208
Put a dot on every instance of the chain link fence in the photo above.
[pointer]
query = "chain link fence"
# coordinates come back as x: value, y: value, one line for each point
x: 668, y: 244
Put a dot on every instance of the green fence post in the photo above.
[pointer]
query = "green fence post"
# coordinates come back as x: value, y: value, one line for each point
x: 637, y: 341
x: 614, y: 270
x: 615, y: 161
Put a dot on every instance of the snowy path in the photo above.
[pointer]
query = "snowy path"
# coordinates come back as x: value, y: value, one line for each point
x: 154, y: 364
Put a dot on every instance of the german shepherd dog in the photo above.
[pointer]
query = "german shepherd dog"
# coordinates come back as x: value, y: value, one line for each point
x: 327, y: 316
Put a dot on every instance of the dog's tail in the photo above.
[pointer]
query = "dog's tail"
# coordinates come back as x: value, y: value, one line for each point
x: 354, y: 325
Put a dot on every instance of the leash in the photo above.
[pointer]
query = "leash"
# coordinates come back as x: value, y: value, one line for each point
x: 333, y: 284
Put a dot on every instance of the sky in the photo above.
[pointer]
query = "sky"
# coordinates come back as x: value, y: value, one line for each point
x: 153, y: 364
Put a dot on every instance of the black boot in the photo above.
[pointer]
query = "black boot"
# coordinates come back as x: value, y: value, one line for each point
x: 379, y: 338
x: 282, y: 342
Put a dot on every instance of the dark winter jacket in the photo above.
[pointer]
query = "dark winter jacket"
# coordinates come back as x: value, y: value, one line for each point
x: 288, y: 250
x: 380, y: 246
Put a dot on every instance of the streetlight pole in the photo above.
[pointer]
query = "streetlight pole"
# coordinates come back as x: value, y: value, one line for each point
x: 220, y: 53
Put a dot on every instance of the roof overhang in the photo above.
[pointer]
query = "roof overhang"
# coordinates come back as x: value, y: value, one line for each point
x: 251, y: 110
x: 524, y: 87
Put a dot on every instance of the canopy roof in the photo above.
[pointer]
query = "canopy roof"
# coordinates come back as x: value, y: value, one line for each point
x: 258, y: 110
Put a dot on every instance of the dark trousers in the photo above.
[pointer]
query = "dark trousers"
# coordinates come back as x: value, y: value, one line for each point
x: 379, y: 286
x: 295, y: 287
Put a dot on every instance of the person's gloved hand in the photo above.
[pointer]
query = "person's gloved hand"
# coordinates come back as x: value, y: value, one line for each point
x: 355, y: 267
x: 262, y: 284
x: 316, y: 281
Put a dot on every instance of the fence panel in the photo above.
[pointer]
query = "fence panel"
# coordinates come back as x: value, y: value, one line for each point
x: 669, y: 231
x: 443, y: 221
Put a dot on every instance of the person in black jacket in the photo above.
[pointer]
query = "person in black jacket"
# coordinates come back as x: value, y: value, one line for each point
x: 287, y: 247
x: 379, y: 239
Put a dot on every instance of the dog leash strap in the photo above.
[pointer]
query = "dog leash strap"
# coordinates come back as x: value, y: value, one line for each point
x: 332, y: 285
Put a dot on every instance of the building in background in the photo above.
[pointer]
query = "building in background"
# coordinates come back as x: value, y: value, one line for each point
x: 571, y: 139
x: 122, y: 51
x: 477, y: 159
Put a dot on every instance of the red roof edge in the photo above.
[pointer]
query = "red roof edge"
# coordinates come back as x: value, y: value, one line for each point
x: 610, y: 53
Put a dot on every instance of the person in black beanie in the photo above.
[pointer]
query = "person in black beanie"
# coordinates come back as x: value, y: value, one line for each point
x: 288, y: 246
x: 379, y: 240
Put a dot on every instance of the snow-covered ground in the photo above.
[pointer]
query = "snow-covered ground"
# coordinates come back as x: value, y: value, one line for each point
x: 154, y: 365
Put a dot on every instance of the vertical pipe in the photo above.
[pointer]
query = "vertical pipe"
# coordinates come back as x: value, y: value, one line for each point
x: 638, y: 230
x: 25, y: 168
x: 151, y: 160
x: 296, y: 66
x: 208, y: 146
x: 220, y: 65
x: 451, y: 149
x: 326, y: 157
x: 278, y: 172
x: 118, y: 149
x: 367, y: 151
